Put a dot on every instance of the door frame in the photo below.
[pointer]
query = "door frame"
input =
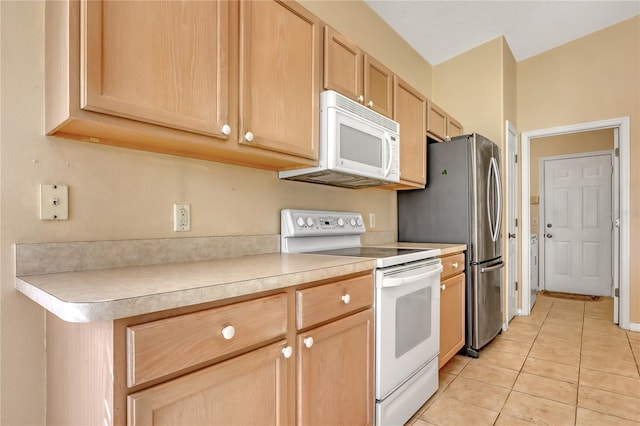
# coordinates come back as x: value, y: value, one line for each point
x: 511, y: 264
x: 621, y: 169
x: 541, y: 210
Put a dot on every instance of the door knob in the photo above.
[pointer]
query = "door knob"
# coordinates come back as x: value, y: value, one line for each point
x: 512, y: 235
x: 548, y: 235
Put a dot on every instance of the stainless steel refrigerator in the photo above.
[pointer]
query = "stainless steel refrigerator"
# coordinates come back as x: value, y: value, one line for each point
x: 462, y: 203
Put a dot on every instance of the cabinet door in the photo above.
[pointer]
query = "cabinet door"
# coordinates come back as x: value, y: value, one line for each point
x: 335, y: 374
x: 247, y: 390
x: 342, y: 65
x: 451, y: 318
x: 378, y: 86
x: 279, y: 77
x: 436, y: 121
x: 410, y: 108
x: 164, y: 63
x: 454, y: 128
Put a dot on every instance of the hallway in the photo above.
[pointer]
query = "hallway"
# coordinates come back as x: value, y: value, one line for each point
x: 565, y: 364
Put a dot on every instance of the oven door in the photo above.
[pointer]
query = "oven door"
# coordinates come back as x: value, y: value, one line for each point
x: 407, y: 322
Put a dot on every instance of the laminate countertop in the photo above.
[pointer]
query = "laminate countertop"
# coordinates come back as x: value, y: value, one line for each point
x: 112, y: 293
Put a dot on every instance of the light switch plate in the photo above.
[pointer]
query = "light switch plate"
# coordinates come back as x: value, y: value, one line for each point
x: 54, y: 202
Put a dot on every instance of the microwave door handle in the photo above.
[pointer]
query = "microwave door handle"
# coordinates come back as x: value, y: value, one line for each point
x: 387, y: 139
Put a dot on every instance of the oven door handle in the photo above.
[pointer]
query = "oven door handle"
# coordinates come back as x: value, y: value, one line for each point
x: 395, y: 282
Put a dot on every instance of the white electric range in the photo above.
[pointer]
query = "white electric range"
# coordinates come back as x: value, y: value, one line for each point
x: 407, y: 305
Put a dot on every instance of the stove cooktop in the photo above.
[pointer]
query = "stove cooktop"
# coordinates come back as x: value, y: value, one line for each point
x: 367, y: 251
x: 385, y: 256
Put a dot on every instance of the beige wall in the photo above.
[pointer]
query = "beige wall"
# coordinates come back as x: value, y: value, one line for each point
x: 597, y: 140
x: 593, y: 78
x: 121, y: 194
x: 469, y: 87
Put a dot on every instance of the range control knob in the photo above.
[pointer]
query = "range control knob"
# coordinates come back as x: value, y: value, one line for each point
x: 359, y: 221
x: 309, y: 221
x: 352, y: 222
x: 300, y: 221
x: 340, y: 222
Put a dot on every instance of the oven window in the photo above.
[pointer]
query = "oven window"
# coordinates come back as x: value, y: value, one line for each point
x: 413, y: 320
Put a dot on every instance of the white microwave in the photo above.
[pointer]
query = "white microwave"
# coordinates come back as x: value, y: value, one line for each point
x: 358, y: 147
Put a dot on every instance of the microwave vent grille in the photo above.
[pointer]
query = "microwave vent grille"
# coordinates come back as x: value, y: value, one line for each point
x: 364, y: 112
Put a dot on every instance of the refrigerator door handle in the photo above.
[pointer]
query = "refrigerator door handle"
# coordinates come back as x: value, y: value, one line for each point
x: 498, y: 181
x: 492, y: 267
x: 494, y: 211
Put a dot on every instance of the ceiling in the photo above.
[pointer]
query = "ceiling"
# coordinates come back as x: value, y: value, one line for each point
x: 441, y: 30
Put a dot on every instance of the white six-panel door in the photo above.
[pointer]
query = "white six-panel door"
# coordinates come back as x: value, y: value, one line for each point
x: 577, y: 225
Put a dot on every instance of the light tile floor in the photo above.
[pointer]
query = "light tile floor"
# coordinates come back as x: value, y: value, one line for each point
x: 565, y: 364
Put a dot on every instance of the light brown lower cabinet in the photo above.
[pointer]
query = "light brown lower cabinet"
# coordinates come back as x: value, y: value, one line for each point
x: 297, y: 355
x: 452, y: 305
x: 332, y: 369
x: 250, y: 389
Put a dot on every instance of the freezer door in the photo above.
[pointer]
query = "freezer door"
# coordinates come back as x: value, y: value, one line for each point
x: 486, y: 302
x: 485, y: 199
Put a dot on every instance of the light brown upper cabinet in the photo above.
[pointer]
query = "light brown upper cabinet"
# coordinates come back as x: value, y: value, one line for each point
x: 441, y: 125
x: 164, y: 63
x: 410, y: 108
x: 280, y: 79
x: 167, y: 77
x: 355, y: 74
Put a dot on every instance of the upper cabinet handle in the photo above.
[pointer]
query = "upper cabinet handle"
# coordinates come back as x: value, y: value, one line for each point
x: 248, y: 136
x: 226, y: 130
x: 361, y: 99
x: 370, y: 104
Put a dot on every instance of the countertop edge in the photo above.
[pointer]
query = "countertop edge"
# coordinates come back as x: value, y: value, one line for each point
x: 109, y: 310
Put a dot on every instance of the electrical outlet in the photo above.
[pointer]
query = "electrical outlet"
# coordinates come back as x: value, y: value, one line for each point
x: 181, y: 217
x: 54, y: 202
x: 372, y: 220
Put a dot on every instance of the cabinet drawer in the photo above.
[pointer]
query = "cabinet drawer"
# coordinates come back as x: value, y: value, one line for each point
x: 165, y: 346
x: 317, y: 304
x: 452, y: 265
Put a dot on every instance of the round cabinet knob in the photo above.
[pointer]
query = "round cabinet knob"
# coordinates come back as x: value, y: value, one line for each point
x: 226, y: 130
x: 340, y: 222
x: 346, y: 299
x: 309, y: 221
x: 370, y: 104
x: 455, y: 265
x: 549, y: 235
x: 228, y: 332
x: 361, y: 99
x: 248, y: 137
x: 359, y: 221
x: 443, y: 287
x: 308, y: 341
x: 287, y: 352
x: 352, y: 222
x: 300, y: 221
x: 512, y: 235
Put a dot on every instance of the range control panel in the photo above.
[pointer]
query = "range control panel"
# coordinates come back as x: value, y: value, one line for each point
x: 301, y: 223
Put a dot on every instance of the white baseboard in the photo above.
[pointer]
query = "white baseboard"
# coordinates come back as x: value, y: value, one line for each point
x: 634, y: 326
